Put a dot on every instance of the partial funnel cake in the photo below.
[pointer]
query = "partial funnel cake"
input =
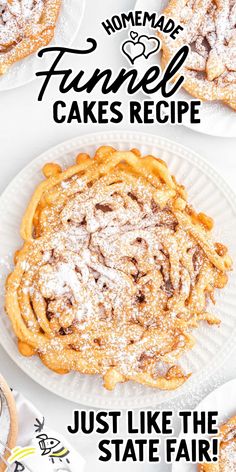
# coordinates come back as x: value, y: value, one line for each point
x: 25, y: 27
x: 227, y: 454
x: 210, y: 32
x: 115, y: 272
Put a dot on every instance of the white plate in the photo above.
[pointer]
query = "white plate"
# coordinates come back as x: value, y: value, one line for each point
x: 69, y: 21
x: 207, y: 191
x: 215, y: 401
x: 216, y: 118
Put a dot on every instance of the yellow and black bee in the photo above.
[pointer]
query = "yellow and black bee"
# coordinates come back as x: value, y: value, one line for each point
x: 52, y: 447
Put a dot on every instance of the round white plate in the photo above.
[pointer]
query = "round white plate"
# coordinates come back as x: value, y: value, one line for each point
x: 69, y: 21
x: 215, y: 401
x: 207, y: 191
x: 216, y: 118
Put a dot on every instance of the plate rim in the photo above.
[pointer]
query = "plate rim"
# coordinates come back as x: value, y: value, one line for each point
x: 146, y: 139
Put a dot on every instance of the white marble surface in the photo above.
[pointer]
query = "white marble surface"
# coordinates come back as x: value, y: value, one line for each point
x: 26, y: 130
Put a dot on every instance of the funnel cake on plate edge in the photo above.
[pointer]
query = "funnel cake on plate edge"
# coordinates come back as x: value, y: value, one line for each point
x: 115, y: 272
x: 25, y: 27
x: 210, y: 32
x: 227, y: 450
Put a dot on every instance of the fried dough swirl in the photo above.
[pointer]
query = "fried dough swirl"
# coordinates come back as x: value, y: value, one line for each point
x: 115, y: 271
x: 25, y: 27
x: 227, y: 450
x: 210, y: 32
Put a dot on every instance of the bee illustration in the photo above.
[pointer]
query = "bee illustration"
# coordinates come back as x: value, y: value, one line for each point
x: 52, y: 447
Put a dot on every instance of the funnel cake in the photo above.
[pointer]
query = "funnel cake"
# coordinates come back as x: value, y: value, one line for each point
x: 227, y: 450
x: 115, y: 270
x: 25, y: 27
x: 210, y: 32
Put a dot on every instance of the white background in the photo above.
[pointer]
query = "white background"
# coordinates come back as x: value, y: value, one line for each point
x: 27, y: 129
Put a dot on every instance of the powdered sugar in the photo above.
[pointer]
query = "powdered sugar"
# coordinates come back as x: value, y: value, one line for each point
x: 229, y: 458
x: 228, y: 451
x: 210, y: 31
x: 114, y: 269
x: 15, y: 18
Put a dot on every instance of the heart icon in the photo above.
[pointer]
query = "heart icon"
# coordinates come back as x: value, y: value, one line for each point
x: 133, y: 34
x: 133, y: 50
x: 151, y: 44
